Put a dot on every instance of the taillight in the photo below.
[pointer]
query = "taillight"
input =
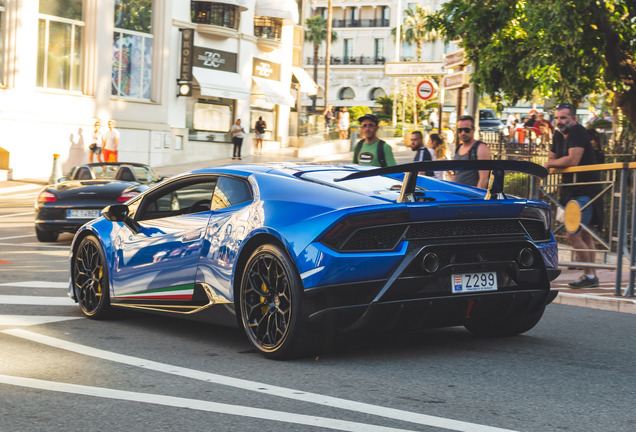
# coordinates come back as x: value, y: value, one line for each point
x: 127, y: 195
x: 339, y: 236
x: 46, y: 196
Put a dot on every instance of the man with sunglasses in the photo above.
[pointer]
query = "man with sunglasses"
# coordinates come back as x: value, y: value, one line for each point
x: 571, y: 147
x: 470, y: 149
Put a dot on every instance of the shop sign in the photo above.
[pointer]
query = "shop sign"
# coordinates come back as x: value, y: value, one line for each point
x: 209, y: 58
x: 187, y: 45
x: 265, y: 69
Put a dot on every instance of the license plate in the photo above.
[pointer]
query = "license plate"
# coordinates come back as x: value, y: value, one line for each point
x: 82, y: 214
x: 473, y: 282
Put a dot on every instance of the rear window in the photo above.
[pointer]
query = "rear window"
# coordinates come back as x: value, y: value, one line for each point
x: 378, y: 185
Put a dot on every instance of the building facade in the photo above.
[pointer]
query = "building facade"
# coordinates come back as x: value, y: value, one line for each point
x: 365, y: 42
x: 173, y: 74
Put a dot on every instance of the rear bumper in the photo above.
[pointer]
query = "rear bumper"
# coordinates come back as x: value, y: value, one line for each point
x: 60, y: 226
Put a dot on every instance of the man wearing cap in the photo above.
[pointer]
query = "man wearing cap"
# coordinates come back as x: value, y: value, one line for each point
x: 372, y: 150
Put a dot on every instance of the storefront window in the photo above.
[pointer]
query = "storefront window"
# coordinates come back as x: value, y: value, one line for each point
x: 268, y: 28
x: 218, y: 14
x: 210, y: 120
x: 132, y: 49
x: 60, y: 33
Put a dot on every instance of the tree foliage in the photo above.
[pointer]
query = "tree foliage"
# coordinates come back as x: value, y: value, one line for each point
x: 564, y: 49
x: 414, y: 29
x: 316, y: 34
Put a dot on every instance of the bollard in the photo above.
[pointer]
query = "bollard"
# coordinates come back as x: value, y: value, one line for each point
x: 354, y: 138
x: 56, y: 172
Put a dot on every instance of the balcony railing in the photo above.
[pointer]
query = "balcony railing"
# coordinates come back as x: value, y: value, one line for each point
x: 359, y: 60
x: 378, y: 22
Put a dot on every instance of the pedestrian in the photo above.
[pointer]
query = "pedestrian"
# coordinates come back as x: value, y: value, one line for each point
x: 330, y: 116
x: 259, y: 134
x: 343, y: 123
x: 470, y: 149
x: 571, y: 147
x: 422, y: 153
x: 546, y: 129
x: 438, y: 149
x: 371, y: 150
x: 110, y: 143
x: 95, y: 147
x: 511, y: 122
x: 238, y: 133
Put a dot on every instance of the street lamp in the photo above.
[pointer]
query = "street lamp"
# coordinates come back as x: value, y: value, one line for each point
x: 184, y: 88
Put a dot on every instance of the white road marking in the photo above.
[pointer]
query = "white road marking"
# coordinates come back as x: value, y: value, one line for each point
x: 257, y: 387
x: 196, y: 404
x: 29, y: 320
x: 36, y: 284
x: 15, y: 237
x: 43, y: 245
x: 16, y: 214
x: 36, y: 300
x: 14, y: 189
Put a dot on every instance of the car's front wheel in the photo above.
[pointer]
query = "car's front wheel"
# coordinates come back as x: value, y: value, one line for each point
x: 45, y: 236
x: 510, y: 326
x: 90, y: 279
x: 271, y: 304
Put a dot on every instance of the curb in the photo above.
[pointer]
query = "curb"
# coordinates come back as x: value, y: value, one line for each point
x: 614, y: 304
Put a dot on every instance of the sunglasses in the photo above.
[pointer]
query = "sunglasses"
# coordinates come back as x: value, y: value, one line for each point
x: 465, y: 130
x: 564, y: 105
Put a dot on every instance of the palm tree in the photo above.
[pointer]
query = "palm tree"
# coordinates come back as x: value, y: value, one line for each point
x: 414, y: 28
x: 316, y: 34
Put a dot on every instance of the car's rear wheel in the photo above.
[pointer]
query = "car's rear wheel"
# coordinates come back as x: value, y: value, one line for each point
x: 271, y: 304
x: 509, y: 326
x: 45, y: 236
x: 90, y: 279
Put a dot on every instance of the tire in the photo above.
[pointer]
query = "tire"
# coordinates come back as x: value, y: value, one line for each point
x: 270, y: 304
x: 510, y: 326
x: 45, y: 236
x: 90, y: 279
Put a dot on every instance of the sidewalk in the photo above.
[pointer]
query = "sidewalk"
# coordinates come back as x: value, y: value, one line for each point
x: 595, y: 298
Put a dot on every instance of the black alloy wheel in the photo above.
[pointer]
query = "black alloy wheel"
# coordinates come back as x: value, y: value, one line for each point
x: 90, y: 279
x: 271, y: 305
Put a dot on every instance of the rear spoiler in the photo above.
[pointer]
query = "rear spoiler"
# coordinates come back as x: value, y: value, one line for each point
x: 496, y: 168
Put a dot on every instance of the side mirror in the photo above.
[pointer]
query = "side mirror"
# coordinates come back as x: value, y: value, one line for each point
x: 119, y: 213
x: 63, y: 179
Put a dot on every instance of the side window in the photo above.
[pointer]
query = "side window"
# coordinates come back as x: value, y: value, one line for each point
x: 230, y: 191
x: 186, y: 198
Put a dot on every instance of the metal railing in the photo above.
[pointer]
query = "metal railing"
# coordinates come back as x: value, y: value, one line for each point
x: 616, y: 239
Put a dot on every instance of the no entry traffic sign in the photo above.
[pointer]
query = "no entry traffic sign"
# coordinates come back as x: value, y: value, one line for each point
x: 426, y: 89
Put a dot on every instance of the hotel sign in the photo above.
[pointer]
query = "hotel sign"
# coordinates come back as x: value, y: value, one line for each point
x: 265, y: 69
x: 209, y: 58
x: 413, y: 68
x: 187, y: 45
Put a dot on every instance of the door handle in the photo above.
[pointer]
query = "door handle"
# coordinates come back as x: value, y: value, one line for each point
x: 190, y: 237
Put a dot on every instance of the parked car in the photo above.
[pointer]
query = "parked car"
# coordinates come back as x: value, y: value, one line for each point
x: 80, y: 196
x: 489, y: 122
x: 295, y: 251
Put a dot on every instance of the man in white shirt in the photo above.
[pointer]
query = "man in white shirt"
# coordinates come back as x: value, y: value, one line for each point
x: 110, y: 141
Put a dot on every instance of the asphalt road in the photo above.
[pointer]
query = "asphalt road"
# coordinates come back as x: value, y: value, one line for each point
x: 143, y: 372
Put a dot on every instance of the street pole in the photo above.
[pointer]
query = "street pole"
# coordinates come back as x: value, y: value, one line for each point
x: 398, y: 37
x: 328, y: 51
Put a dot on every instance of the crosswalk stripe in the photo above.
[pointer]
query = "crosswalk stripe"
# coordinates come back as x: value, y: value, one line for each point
x: 36, y: 284
x: 29, y: 320
x: 35, y: 300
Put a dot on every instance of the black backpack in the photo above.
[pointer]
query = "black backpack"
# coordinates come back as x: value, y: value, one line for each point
x: 380, y: 152
x: 472, y: 152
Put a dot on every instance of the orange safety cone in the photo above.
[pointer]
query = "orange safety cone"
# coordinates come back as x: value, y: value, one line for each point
x: 56, y: 172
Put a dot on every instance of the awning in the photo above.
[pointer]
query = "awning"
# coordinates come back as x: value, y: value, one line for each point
x: 243, y: 5
x: 307, y: 84
x: 285, y: 9
x: 274, y: 91
x: 221, y: 84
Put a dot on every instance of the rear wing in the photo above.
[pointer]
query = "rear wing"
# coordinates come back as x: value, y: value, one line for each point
x: 497, y: 169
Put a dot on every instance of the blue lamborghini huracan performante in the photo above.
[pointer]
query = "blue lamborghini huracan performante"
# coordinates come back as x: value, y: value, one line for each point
x: 299, y: 251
